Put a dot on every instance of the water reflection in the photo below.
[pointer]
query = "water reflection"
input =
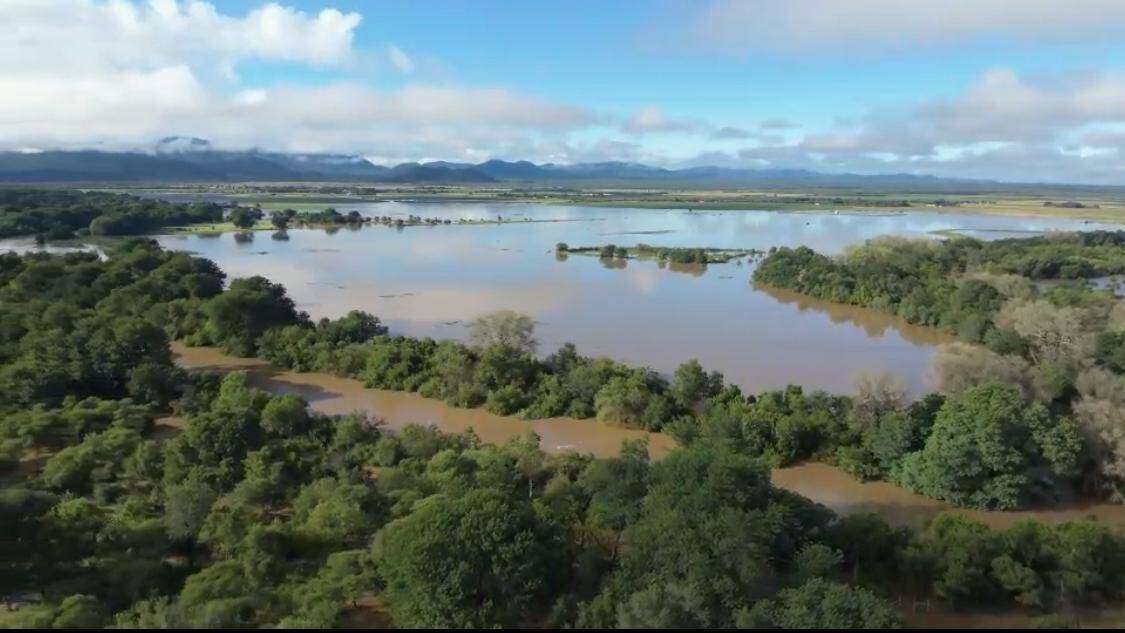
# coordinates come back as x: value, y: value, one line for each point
x: 875, y: 324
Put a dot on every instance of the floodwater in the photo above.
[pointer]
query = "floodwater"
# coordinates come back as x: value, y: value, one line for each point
x: 821, y: 483
x: 429, y: 281
x: 335, y: 396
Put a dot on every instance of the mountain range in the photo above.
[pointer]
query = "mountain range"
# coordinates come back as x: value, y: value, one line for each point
x: 178, y: 159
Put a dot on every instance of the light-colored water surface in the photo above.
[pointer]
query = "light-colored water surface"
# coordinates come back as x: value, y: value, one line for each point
x: 429, y: 281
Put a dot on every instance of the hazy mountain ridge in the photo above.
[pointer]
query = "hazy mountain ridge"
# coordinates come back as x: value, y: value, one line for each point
x: 178, y: 159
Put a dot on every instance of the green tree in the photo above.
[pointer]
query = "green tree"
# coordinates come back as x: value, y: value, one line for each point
x: 822, y: 604
x: 245, y: 217
x: 990, y: 449
x: 481, y: 559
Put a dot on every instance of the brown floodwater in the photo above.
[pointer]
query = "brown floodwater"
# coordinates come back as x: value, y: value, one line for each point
x: 334, y: 395
x: 843, y: 493
x: 430, y: 281
x: 821, y: 483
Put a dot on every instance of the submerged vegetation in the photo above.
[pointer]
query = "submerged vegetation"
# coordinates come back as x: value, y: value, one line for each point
x: 662, y: 254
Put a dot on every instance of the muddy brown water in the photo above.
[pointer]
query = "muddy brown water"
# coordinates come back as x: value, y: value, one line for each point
x: 334, y: 395
x: 821, y: 483
x: 430, y: 281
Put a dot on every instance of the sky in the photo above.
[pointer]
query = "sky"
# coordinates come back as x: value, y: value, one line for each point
x: 1030, y: 91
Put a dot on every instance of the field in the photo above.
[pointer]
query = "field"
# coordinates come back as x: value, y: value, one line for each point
x: 1095, y: 204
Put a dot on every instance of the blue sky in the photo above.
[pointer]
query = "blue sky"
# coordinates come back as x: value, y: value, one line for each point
x: 1033, y: 90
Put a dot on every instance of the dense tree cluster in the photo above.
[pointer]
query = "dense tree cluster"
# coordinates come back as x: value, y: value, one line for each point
x: 1037, y: 401
x: 59, y: 214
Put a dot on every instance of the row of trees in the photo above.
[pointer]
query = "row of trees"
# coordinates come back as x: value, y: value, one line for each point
x: 60, y: 214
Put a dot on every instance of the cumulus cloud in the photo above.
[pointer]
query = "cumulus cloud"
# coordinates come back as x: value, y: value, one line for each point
x: 741, y: 26
x: 70, y: 36
x: 129, y: 109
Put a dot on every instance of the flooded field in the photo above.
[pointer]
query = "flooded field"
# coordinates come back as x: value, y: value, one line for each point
x: 429, y: 281
x: 822, y: 483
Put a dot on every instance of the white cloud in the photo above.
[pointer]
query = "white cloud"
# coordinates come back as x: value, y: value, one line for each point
x: 400, y: 60
x: 120, y: 75
x: 880, y: 25
x: 71, y: 36
x: 130, y: 109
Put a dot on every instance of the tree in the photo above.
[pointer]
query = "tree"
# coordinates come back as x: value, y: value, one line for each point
x: 186, y: 508
x: 245, y: 217
x: 1100, y: 414
x: 246, y: 310
x: 822, y: 604
x: 1055, y: 333
x: 281, y: 219
x: 958, y: 367
x: 504, y: 328
x: 477, y: 560
x: 285, y: 415
x: 989, y: 449
x: 876, y: 395
x: 691, y: 384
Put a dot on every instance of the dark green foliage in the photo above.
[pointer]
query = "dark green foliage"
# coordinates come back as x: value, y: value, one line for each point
x: 247, y: 310
x: 245, y: 217
x: 822, y: 604
x: 921, y: 281
x: 482, y: 559
x: 990, y: 449
x: 503, y: 379
x: 1109, y: 351
x: 59, y: 214
x: 1030, y: 564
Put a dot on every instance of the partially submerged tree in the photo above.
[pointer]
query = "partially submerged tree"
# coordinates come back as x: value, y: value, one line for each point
x: 504, y: 328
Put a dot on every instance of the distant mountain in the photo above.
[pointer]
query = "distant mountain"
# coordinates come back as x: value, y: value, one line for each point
x: 186, y: 159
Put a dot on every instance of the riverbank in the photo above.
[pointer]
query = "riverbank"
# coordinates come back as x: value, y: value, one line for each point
x: 821, y: 483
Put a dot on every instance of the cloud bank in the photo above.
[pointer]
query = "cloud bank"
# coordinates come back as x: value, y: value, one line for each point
x: 798, y: 26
